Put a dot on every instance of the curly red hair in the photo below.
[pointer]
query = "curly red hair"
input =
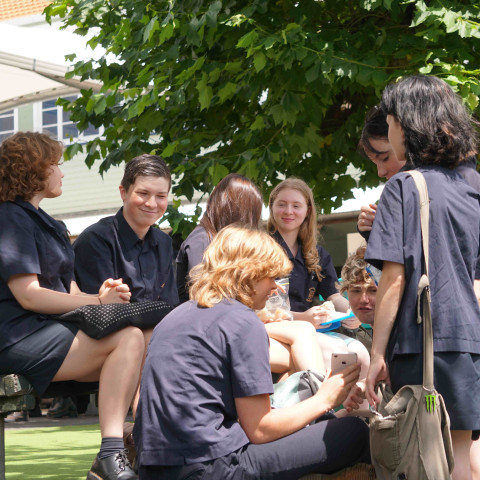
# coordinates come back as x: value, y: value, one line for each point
x: 25, y: 158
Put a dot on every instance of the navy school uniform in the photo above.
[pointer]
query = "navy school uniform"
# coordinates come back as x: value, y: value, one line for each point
x: 199, y: 360
x: 454, y: 253
x: 304, y: 286
x: 467, y: 169
x: 32, y: 242
x: 190, y: 254
x: 111, y: 249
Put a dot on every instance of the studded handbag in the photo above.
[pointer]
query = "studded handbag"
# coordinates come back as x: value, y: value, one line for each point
x: 98, y: 321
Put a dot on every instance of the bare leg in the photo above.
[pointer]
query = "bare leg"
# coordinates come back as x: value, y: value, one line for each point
x: 115, y: 361
x: 301, y: 337
x: 147, y: 334
x: 461, y: 442
x: 475, y: 459
x: 330, y: 344
x: 280, y: 358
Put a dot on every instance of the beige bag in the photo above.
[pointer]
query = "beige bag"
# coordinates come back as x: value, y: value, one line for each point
x: 410, y: 435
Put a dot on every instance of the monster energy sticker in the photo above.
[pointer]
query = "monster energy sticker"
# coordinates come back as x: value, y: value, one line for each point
x: 431, y: 401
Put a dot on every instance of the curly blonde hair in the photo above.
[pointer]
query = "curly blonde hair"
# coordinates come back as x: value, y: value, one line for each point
x: 353, y: 272
x: 238, y: 257
x: 25, y: 158
x: 308, y: 229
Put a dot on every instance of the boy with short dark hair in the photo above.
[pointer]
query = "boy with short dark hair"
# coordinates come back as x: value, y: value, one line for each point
x: 127, y: 245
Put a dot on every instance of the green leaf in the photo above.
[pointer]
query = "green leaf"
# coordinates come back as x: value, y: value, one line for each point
x: 313, y: 73
x: 217, y: 171
x: 258, y: 124
x: 426, y: 69
x: 472, y: 101
x: 259, y: 61
x: 169, y: 150
x: 249, y: 169
x: 248, y: 39
x: 205, y: 93
x: 227, y: 91
x: 165, y: 33
x: 150, y: 29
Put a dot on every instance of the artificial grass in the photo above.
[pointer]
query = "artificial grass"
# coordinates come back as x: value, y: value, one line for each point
x: 53, y: 453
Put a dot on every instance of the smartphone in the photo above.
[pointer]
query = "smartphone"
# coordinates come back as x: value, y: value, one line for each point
x: 342, y: 360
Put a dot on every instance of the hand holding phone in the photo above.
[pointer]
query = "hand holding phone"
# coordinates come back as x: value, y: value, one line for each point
x: 342, y: 360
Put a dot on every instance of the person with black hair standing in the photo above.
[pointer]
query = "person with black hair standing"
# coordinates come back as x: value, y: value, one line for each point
x: 429, y: 127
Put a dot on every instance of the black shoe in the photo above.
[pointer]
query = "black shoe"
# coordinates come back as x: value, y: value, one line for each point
x: 114, y: 467
x: 17, y: 417
x: 62, y: 407
x: 35, y: 411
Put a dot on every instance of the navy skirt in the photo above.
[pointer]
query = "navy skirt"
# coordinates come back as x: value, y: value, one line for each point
x: 40, y: 355
x: 456, y: 378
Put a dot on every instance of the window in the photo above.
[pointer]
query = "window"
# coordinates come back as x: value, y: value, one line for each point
x: 8, y: 123
x: 57, y: 121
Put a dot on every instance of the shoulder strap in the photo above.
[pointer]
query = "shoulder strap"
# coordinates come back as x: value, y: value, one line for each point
x: 423, y: 294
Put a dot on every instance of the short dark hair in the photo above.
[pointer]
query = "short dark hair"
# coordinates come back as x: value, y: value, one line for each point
x: 375, y: 127
x: 437, y: 126
x: 235, y: 199
x: 25, y: 159
x: 145, y: 166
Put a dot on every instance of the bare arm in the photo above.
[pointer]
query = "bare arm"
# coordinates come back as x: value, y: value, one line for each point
x: 389, y: 295
x: 263, y: 425
x: 476, y: 287
x: 31, y: 296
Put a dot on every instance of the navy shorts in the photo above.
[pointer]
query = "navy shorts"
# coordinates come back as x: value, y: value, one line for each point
x: 456, y: 378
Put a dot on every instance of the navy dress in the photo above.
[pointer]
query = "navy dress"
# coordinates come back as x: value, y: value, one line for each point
x: 454, y: 253
x: 305, y: 286
x: 32, y: 242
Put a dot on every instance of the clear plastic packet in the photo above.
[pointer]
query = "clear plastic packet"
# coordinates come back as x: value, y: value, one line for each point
x: 278, y: 304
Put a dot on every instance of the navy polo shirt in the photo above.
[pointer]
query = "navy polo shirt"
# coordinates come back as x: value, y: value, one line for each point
x: 467, y: 169
x: 31, y: 242
x: 198, y: 361
x: 305, y: 286
x: 454, y: 252
x: 111, y: 249
x: 190, y: 254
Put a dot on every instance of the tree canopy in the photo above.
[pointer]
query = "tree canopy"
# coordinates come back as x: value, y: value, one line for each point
x: 263, y: 88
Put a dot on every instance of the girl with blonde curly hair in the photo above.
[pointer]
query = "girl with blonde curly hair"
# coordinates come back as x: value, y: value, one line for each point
x: 204, y: 408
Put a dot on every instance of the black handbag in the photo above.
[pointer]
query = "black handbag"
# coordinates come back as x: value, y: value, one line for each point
x: 98, y: 321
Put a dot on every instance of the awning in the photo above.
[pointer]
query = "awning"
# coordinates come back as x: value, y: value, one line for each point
x: 24, y: 80
x: 33, y: 66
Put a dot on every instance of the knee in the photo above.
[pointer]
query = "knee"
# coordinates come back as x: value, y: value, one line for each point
x: 358, y: 435
x: 361, y: 351
x: 132, y: 341
x: 305, y: 328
